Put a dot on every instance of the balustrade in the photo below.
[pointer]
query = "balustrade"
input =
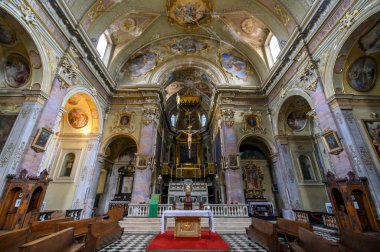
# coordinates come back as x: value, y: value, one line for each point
x: 227, y: 210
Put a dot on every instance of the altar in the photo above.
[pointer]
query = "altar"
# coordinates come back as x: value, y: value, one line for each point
x: 187, y: 222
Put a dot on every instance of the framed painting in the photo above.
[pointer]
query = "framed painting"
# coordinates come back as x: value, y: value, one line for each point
x: 332, y: 142
x: 41, y: 141
x: 142, y: 160
x: 251, y: 121
x: 124, y: 120
x: 233, y: 161
x: 362, y: 74
x: 372, y: 128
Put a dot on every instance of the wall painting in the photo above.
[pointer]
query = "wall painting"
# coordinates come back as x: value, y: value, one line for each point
x: 362, y: 74
x: 234, y: 65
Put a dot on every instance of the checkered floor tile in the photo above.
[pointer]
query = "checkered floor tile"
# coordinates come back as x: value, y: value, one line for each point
x: 138, y: 242
x: 240, y: 243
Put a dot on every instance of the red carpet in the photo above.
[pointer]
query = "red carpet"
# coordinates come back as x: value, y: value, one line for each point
x: 166, y: 242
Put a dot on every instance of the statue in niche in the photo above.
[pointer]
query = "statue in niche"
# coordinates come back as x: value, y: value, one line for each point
x: 68, y: 164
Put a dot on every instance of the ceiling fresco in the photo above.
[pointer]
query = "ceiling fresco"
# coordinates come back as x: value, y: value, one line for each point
x: 234, y: 65
x: 189, y: 14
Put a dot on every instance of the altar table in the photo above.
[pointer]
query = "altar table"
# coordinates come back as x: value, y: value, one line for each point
x: 187, y: 213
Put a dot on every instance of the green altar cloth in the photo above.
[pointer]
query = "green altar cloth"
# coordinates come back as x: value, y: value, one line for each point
x: 153, y: 205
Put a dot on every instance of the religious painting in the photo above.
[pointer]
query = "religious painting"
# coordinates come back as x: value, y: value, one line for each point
x: 141, y: 64
x: 233, y: 161
x: 188, y: 45
x: 372, y: 128
x: 41, y: 141
x: 74, y: 100
x: 7, y: 34
x: 361, y: 75
x: 234, y: 65
x: 142, y: 160
x: 332, y: 142
x: 127, y: 185
x: 253, y: 177
x: 77, y: 118
x: 6, y: 124
x: 252, y: 121
x: 306, y: 167
x: 370, y: 41
x: 124, y: 120
x: 17, y: 70
x: 297, y: 120
x: 189, y: 13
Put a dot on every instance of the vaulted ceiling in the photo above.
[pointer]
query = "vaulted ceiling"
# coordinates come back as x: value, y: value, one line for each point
x: 154, y: 38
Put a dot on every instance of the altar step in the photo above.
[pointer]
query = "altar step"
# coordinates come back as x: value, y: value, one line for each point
x: 153, y: 225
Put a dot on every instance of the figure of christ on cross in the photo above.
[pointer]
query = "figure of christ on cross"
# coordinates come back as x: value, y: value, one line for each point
x: 189, y: 134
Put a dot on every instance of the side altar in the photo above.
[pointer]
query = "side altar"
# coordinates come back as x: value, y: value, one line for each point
x: 187, y: 222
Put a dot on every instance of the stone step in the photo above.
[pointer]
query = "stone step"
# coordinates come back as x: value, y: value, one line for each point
x: 153, y: 225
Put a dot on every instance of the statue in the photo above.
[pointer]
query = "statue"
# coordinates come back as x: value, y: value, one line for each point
x: 189, y: 134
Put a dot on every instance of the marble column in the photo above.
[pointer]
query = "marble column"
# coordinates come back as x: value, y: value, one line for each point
x: 286, y: 177
x: 234, y: 180
x: 20, y: 137
x: 359, y: 151
x: 94, y: 180
x: 49, y: 118
x: 143, y: 176
x: 281, y: 199
x: 340, y: 163
x: 82, y: 196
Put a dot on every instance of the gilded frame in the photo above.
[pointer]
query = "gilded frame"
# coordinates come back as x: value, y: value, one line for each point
x: 42, y: 139
x: 374, y: 142
x: 233, y: 161
x: 332, y: 142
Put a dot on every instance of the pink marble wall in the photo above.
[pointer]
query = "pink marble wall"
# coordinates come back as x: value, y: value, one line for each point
x: 234, y: 182
x: 340, y: 163
x: 31, y: 160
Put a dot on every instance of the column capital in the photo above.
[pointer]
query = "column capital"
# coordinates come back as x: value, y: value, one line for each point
x: 35, y: 96
x: 281, y: 139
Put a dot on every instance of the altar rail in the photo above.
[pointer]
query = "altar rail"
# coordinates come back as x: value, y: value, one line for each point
x: 218, y: 210
x: 326, y: 219
x: 142, y: 210
x: 227, y: 210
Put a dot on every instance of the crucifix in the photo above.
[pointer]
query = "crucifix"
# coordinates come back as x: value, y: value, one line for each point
x: 189, y: 132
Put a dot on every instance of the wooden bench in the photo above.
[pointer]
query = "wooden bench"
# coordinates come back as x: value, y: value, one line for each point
x: 80, y: 227
x: 61, y: 241
x: 40, y: 229
x: 310, y: 242
x: 264, y: 233
x: 10, y: 241
x: 289, y: 228
x: 352, y: 241
x: 103, y: 233
x: 115, y: 213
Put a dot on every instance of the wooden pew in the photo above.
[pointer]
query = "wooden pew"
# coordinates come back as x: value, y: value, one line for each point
x: 102, y: 233
x: 10, y: 241
x: 289, y: 228
x: 56, y: 242
x: 115, y: 213
x: 310, y: 242
x: 264, y: 233
x: 80, y: 227
x: 352, y: 241
x: 39, y: 229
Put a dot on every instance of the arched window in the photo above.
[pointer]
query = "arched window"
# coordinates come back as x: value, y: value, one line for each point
x: 203, y: 120
x: 67, y: 165
x: 172, y: 120
x: 272, y: 49
x: 102, y: 46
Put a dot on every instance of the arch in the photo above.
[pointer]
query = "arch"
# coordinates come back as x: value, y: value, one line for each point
x: 47, y: 77
x: 83, y: 90
x: 289, y: 94
x: 106, y: 142
x: 264, y: 139
x: 341, y: 40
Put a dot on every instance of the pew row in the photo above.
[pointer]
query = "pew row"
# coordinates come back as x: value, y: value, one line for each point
x: 10, y: 241
x: 102, y: 233
x: 289, y: 228
x: 310, y: 242
x: 62, y: 241
x: 40, y: 229
x: 352, y: 241
x: 115, y: 213
x: 264, y: 233
x: 80, y: 227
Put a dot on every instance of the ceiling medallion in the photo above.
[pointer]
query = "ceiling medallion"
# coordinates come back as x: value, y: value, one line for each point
x: 189, y: 13
x: 248, y: 25
x: 128, y: 25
